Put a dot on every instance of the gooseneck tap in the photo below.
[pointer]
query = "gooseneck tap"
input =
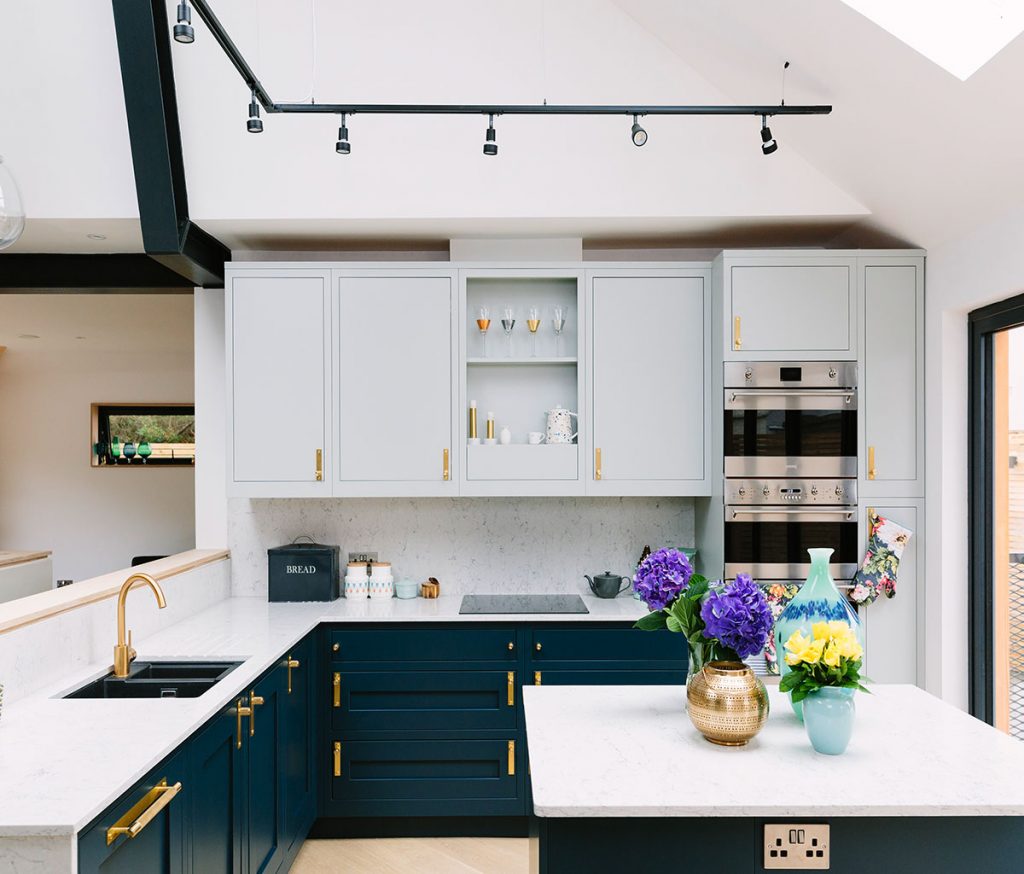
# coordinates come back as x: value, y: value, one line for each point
x: 124, y: 654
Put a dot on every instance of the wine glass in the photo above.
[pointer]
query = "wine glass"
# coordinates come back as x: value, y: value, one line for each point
x: 508, y: 322
x: 533, y: 322
x: 483, y: 322
x: 558, y: 323
x: 145, y: 450
x: 115, y: 448
x: 129, y: 451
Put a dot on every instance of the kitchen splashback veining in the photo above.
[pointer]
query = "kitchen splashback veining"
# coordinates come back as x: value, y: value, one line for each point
x: 472, y: 545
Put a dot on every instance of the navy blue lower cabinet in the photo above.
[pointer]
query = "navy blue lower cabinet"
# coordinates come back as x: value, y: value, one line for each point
x: 216, y: 797
x: 425, y: 700
x: 426, y: 778
x: 264, y: 766
x: 606, y: 646
x: 298, y: 747
x: 157, y: 804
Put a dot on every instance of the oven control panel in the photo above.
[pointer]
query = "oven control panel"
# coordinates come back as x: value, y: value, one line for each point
x: 792, y: 492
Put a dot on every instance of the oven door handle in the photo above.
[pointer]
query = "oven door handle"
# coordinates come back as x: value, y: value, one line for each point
x: 791, y: 393
x: 792, y: 511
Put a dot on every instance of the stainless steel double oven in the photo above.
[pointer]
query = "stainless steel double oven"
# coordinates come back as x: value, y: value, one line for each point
x: 790, y: 467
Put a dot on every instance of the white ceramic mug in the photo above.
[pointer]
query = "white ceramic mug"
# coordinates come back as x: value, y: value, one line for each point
x: 535, y: 438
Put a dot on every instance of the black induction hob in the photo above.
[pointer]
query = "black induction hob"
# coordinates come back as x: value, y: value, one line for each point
x: 522, y: 604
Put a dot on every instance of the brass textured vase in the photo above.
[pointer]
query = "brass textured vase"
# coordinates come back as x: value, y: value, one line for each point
x: 727, y: 703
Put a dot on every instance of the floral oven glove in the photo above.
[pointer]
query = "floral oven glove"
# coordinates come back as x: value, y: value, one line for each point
x: 877, y: 574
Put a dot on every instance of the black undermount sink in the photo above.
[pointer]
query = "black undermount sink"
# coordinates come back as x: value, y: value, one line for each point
x: 158, y: 680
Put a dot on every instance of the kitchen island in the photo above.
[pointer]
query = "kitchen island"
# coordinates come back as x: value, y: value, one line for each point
x: 623, y: 781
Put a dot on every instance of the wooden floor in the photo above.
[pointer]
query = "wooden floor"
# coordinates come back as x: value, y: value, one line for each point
x: 414, y: 856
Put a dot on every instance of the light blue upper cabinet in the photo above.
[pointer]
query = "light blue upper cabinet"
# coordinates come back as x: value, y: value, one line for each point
x: 892, y: 377
x: 791, y: 307
x: 278, y: 358
x: 395, y: 383
x: 648, y: 382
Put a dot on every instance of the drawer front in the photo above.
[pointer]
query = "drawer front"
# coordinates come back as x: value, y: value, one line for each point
x: 425, y: 700
x: 610, y: 678
x: 425, y: 777
x: 424, y: 645
x: 606, y: 645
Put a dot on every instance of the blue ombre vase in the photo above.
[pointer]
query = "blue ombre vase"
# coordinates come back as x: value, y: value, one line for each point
x: 817, y: 601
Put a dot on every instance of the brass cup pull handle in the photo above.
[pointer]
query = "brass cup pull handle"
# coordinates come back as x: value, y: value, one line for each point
x: 254, y: 702
x: 143, y: 813
x: 291, y: 664
x: 336, y: 684
x: 319, y: 465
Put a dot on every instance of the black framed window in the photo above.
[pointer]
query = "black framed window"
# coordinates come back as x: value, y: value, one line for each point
x: 996, y: 524
x: 137, y: 435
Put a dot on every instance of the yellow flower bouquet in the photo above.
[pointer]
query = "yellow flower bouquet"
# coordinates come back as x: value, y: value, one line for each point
x: 831, y: 656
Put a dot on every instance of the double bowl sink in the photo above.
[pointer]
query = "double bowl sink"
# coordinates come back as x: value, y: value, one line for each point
x: 158, y: 680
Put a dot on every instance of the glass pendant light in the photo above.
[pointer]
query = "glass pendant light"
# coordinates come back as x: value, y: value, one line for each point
x: 12, y: 214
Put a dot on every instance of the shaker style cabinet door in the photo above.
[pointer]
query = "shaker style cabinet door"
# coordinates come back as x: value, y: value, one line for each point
x: 648, y: 379
x: 395, y: 378
x: 278, y: 349
x: 892, y: 380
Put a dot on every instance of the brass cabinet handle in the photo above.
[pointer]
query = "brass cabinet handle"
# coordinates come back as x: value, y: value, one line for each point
x: 254, y: 702
x: 336, y: 647
x: 511, y: 688
x: 537, y: 647
x: 536, y: 678
x: 872, y: 473
x: 319, y: 465
x: 511, y: 646
x: 291, y: 664
x: 597, y: 464
x: 445, y: 470
x: 737, y: 338
x: 337, y: 758
x: 511, y: 758
x: 240, y: 711
x: 144, y: 812
x: 337, y: 689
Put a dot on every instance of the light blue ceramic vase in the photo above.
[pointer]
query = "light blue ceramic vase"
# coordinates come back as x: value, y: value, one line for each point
x: 828, y: 718
x: 817, y: 601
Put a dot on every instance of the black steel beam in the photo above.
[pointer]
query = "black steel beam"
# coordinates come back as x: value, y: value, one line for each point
x: 147, y: 77
x: 87, y: 273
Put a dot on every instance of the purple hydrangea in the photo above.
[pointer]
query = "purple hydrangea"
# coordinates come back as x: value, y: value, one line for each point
x: 738, y: 616
x: 661, y: 577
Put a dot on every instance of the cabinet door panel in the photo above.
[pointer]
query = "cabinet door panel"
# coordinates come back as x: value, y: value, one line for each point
x: 297, y: 747
x: 461, y: 645
x: 395, y: 378
x: 648, y: 377
x: 265, y: 771
x: 891, y: 377
x: 279, y: 351
x: 215, y: 802
x: 609, y: 678
x: 597, y: 645
x: 795, y: 309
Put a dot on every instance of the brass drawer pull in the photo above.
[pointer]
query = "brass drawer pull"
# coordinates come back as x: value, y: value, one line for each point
x: 445, y: 470
x: 872, y: 472
x: 319, y: 465
x: 536, y: 678
x: 597, y: 464
x: 144, y: 812
x: 511, y: 758
x: 337, y: 758
x: 511, y: 688
x: 335, y: 647
x: 537, y: 647
x: 737, y: 339
x: 337, y: 689
x: 291, y: 664
x: 254, y: 702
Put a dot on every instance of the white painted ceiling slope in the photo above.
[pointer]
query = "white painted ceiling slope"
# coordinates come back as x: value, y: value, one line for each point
x: 911, y: 154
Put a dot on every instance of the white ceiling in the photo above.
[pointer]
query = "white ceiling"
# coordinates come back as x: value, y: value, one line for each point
x: 911, y: 154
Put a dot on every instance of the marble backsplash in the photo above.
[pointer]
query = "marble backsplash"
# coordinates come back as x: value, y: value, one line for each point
x: 513, y: 545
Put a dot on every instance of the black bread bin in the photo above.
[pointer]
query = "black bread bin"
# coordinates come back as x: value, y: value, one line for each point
x: 304, y: 572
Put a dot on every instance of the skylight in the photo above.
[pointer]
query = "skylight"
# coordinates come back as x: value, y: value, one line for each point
x: 961, y: 36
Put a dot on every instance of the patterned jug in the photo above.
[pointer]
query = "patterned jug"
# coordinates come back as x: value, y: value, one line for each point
x: 817, y: 601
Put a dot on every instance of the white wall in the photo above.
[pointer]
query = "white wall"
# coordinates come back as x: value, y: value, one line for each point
x: 134, y: 348
x: 978, y: 269
x: 211, y: 431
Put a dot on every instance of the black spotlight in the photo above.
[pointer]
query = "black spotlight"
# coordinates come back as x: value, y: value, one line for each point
x: 768, y: 144
x: 639, y: 134
x: 254, y: 125
x: 183, y: 31
x: 343, y: 146
x: 490, y: 144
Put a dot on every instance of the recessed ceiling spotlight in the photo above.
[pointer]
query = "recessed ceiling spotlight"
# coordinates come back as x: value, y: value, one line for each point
x: 768, y: 144
x: 491, y: 141
x: 28, y: 336
x: 343, y: 146
x: 96, y: 236
x: 254, y: 125
x: 183, y: 31
x: 639, y: 134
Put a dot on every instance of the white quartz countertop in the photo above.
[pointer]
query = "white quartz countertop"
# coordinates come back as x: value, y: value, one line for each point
x: 632, y: 751
x: 62, y: 762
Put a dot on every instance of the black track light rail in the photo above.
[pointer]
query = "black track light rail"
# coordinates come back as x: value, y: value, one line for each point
x: 253, y: 83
